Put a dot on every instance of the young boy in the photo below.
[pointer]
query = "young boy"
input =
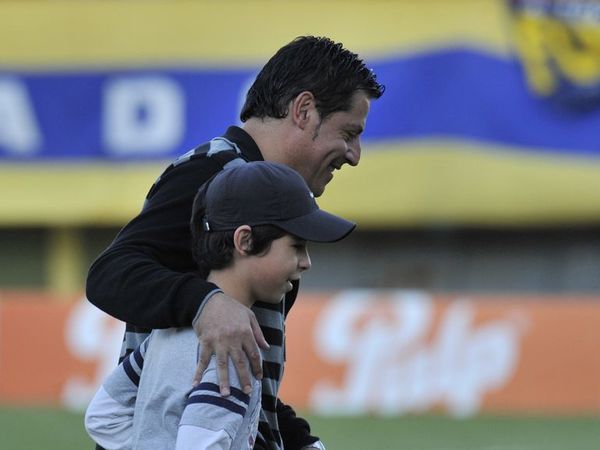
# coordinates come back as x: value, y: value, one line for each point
x: 250, y: 225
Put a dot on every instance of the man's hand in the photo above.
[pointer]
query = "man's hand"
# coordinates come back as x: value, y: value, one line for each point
x: 228, y: 329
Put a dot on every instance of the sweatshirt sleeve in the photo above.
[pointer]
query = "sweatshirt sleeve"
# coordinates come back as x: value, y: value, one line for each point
x: 109, y: 416
x: 147, y: 276
x: 210, y: 421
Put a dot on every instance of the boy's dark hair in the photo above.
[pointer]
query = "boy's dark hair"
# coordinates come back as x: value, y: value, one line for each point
x: 315, y: 64
x: 214, y: 250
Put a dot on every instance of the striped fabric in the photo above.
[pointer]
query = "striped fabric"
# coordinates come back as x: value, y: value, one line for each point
x: 134, y: 363
x: 209, y: 393
x: 152, y: 390
x: 269, y: 316
x: 271, y: 319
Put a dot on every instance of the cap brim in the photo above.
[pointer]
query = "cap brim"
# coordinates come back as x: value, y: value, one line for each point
x: 318, y: 226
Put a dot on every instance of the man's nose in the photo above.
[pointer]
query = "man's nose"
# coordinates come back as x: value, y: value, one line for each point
x: 353, y: 153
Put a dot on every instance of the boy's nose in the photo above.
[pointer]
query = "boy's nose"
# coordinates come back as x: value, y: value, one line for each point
x: 305, y: 261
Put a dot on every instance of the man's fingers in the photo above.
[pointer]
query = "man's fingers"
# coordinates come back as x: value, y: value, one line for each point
x: 241, y: 367
x: 202, y: 365
x: 223, y: 374
x: 253, y: 354
x: 258, y: 334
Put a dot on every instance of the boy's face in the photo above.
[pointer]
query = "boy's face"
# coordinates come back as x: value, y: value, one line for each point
x: 273, y: 272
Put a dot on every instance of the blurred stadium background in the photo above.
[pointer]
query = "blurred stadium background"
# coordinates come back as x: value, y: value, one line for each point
x: 464, y: 312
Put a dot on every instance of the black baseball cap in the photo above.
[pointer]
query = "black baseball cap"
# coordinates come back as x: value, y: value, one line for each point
x: 266, y: 193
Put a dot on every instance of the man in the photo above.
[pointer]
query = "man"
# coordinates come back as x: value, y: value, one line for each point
x: 306, y: 109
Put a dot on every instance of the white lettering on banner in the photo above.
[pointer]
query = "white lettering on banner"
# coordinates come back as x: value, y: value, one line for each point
x: 395, y: 364
x: 90, y: 335
x: 19, y: 133
x: 144, y: 115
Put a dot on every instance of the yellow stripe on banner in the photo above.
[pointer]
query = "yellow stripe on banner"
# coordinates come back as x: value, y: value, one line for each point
x: 73, y: 194
x: 456, y: 183
x: 396, y: 185
x: 61, y: 33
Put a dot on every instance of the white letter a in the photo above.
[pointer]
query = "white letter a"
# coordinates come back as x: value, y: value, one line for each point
x: 19, y: 133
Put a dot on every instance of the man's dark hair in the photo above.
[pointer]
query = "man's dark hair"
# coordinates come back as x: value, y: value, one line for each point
x: 214, y: 250
x: 315, y: 64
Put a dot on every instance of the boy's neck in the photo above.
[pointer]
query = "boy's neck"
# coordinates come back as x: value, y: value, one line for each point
x: 231, y: 286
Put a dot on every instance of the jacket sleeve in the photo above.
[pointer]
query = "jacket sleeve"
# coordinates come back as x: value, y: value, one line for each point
x: 295, y: 431
x: 147, y: 276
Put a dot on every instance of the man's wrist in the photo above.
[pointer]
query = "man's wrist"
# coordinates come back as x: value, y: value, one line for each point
x: 208, y: 297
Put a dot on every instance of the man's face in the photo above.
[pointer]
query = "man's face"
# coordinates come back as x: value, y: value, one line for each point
x: 331, y: 143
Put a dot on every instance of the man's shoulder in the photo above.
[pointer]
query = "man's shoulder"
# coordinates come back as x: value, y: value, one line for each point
x: 234, y: 144
x: 217, y: 149
x: 198, y: 165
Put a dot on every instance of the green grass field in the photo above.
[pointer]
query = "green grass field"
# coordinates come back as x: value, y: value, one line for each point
x: 49, y: 429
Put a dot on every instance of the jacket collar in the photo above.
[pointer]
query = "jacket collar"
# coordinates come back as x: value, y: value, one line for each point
x: 244, y: 141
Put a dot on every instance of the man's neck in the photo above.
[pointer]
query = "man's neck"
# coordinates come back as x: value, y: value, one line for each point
x: 271, y: 137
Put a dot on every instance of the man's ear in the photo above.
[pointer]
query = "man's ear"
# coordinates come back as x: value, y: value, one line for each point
x: 303, y: 108
x: 242, y: 239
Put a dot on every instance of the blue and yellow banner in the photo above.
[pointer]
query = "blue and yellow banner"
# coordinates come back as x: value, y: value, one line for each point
x: 491, y: 115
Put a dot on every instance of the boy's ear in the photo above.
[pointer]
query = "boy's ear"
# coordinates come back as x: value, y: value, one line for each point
x: 302, y: 108
x: 242, y: 239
